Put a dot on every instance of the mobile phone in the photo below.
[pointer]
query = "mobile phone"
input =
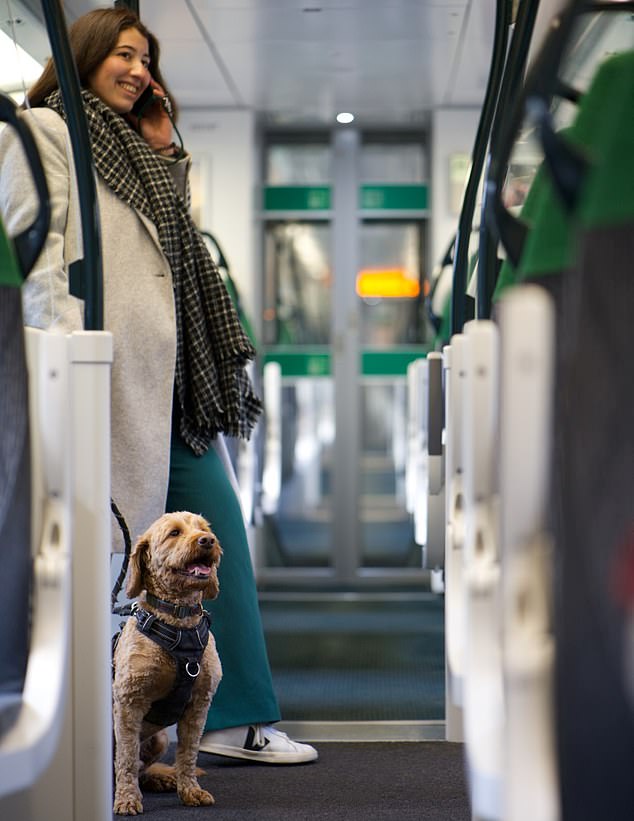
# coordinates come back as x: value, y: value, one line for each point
x: 147, y: 98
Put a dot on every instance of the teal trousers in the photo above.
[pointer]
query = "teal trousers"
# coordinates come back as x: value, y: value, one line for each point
x: 245, y: 695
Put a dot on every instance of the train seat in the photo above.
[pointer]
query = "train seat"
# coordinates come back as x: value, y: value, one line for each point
x: 27, y: 745
x: 483, y: 697
x: 53, y: 755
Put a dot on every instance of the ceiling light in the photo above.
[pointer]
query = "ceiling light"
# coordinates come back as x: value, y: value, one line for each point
x: 345, y: 117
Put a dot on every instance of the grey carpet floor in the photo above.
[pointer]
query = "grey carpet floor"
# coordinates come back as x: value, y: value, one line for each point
x: 416, y: 781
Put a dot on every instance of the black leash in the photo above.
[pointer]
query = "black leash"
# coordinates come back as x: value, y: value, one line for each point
x: 126, y: 609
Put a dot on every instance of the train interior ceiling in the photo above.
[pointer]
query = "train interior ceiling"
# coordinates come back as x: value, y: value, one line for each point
x: 438, y: 495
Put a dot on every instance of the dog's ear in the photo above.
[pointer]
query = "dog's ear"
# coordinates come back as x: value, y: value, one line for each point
x: 136, y: 568
x: 211, y: 590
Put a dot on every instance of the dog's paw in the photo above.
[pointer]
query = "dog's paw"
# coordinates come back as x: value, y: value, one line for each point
x: 195, y: 797
x: 128, y: 803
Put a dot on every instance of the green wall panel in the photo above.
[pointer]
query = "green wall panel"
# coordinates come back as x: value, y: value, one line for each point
x: 296, y: 198
x: 312, y: 363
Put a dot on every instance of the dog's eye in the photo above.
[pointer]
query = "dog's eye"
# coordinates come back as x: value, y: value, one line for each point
x: 175, y: 532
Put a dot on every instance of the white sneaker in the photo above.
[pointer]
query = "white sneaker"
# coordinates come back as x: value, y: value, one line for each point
x: 257, y: 742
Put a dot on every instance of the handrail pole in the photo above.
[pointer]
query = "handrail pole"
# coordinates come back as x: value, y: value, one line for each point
x: 510, y: 88
x: 502, y: 22
x: 86, y: 276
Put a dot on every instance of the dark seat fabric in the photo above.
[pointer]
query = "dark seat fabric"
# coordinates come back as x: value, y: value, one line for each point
x: 594, y: 470
x: 15, y: 495
x: 593, y: 520
x: 586, y: 261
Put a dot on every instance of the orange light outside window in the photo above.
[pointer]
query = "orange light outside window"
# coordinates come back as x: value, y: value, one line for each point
x: 386, y: 283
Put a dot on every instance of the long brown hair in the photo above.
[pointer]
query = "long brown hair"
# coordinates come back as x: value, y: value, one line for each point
x: 92, y: 38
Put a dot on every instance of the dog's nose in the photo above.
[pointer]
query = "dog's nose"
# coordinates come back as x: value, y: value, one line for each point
x: 206, y: 541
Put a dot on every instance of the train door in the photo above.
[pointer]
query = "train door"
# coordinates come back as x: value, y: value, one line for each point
x: 344, y: 280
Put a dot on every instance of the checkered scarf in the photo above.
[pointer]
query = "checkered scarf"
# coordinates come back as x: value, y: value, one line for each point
x: 212, y: 387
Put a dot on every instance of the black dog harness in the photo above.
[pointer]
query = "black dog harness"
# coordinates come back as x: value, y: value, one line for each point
x: 186, y: 648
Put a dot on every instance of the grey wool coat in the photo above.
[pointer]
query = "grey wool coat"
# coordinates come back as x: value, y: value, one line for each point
x: 138, y: 308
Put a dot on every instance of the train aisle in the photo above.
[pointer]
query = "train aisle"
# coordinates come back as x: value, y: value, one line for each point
x: 351, y: 782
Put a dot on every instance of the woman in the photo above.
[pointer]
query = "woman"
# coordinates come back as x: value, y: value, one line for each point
x: 178, y: 379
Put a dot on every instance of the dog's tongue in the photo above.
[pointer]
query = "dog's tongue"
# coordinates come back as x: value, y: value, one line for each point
x: 198, y: 569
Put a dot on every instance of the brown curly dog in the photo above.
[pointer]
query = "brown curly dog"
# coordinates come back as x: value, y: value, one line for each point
x: 166, y: 668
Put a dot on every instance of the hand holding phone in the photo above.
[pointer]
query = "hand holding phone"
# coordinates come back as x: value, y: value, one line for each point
x: 152, y: 116
x: 147, y: 98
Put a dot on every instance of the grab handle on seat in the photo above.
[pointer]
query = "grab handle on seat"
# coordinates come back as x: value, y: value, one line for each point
x: 566, y: 164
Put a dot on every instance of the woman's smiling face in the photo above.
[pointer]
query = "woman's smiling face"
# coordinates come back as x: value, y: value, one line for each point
x: 124, y: 74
